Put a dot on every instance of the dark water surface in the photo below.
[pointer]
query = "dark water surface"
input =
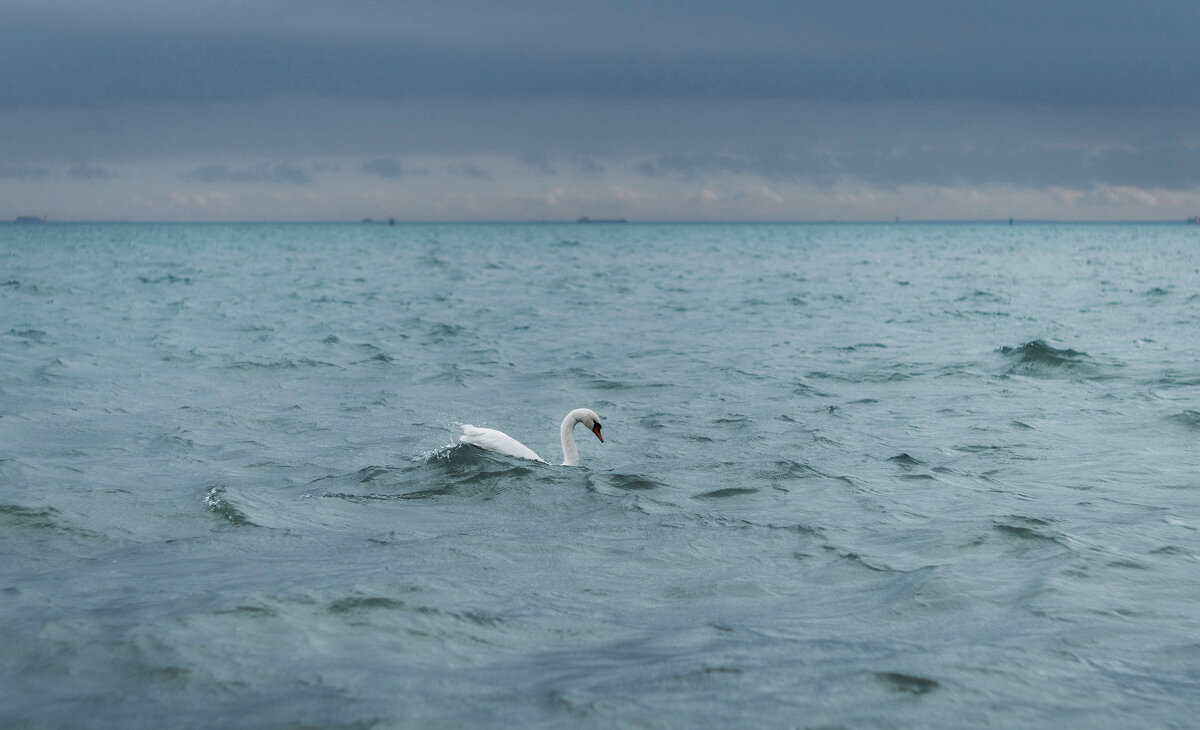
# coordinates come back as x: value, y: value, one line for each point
x: 853, y: 476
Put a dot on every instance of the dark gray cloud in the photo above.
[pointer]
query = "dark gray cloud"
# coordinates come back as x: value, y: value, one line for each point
x: 591, y: 168
x: 262, y: 173
x: 84, y: 171
x: 383, y: 168
x: 471, y: 171
x: 23, y: 173
x: 540, y: 162
x: 391, y: 169
x: 1069, y: 52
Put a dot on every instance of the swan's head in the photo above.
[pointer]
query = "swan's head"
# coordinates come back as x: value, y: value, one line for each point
x: 588, y: 418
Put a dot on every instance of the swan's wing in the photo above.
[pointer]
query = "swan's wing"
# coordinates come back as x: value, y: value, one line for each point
x: 493, y: 440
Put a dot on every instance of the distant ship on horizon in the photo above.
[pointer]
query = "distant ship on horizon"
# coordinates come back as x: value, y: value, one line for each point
x: 30, y: 219
x: 585, y: 219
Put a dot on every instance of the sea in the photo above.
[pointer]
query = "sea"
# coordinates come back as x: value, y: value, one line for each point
x: 852, y: 476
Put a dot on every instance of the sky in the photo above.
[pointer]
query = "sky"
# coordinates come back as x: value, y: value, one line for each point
x: 465, y: 110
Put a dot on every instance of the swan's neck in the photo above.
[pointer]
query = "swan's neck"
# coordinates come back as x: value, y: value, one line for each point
x: 567, y: 433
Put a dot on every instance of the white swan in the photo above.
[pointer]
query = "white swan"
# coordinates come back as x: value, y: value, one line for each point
x: 493, y: 440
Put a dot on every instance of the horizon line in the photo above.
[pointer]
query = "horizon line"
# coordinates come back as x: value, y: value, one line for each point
x: 36, y: 221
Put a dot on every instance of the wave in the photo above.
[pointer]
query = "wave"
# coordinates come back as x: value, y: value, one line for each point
x: 891, y: 374
x: 359, y: 607
x: 16, y: 285
x: 27, y: 334
x: 807, y: 391
x: 980, y: 295
x: 634, y: 482
x: 454, y: 473
x: 165, y: 279
x: 1191, y: 419
x: 727, y: 493
x: 218, y: 504
x: 1038, y: 359
x: 360, y: 604
x: 282, y: 364
x: 1026, y: 532
x: 1173, y: 378
x: 43, y: 518
x: 455, y: 470
x: 452, y: 373
x: 437, y: 333
x: 907, y: 683
x: 1038, y: 351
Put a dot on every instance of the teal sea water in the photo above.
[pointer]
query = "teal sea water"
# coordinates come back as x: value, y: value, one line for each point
x: 929, y: 476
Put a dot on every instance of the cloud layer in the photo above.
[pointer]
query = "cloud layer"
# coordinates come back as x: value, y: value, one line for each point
x: 526, y: 109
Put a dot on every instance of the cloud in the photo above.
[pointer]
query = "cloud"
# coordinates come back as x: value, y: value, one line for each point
x: 23, y: 173
x: 383, y: 168
x: 1170, y: 164
x: 527, y: 108
x: 1104, y: 53
x: 261, y: 173
x: 538, y: 161
x: 591, y: 168
x: 778, y: 165
x: 548, y: 164
x: 472, y: 171
x: 391, y: 169
x: 84, y: 171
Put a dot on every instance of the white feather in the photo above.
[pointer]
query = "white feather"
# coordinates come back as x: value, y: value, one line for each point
x: 500, y: 442
x: 493, y: 440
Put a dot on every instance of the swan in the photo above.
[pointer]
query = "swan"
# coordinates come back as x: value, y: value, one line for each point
x: 493, y: 440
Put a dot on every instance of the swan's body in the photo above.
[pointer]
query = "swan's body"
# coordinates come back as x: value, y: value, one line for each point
x: 498, y: 441
x: 493, y: 440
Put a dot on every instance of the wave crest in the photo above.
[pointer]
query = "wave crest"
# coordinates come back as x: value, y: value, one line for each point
x: 217, y: 503
x: 454, y: 470
x: 1038, y: 359
x: 1189, y: 418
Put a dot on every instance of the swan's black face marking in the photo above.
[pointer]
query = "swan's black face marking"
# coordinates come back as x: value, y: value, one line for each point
x: 596, y: 430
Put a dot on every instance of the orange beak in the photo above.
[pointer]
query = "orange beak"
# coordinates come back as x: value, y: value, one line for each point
x: 596, y: 430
